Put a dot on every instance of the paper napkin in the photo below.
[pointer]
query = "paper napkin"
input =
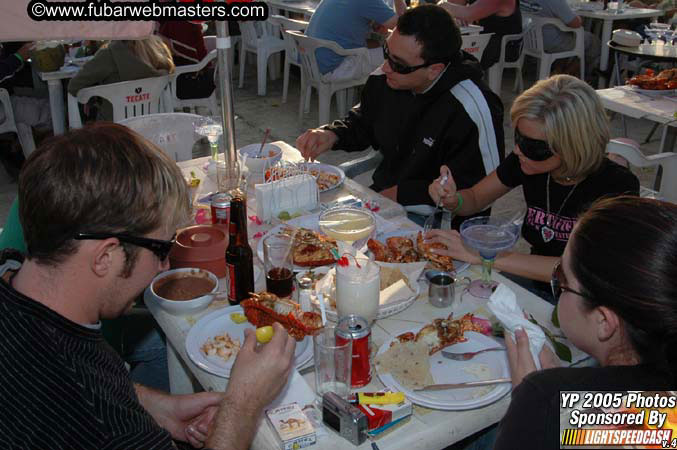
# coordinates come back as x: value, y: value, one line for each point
x: 503, y: 304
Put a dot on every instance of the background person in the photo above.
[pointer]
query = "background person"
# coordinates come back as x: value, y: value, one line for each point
x: 109, y: 183
x: 425, y: 108
x: 561, y: 133
x: 616, y: 288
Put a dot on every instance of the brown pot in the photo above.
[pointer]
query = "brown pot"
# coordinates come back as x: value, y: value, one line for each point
x: 202, y: 246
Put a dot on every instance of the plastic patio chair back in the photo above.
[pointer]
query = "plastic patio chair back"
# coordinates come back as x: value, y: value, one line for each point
x: 291, y: 52
x: 23, y: 131
x: 534, y: 45
x: 496, y: 71
x: 172, y: 132
x: 263, y: 39
x: 129, y: 98
x: 193, y: 103
x: 312, y: 77
x: 475, y: 44
x: 665, y: 183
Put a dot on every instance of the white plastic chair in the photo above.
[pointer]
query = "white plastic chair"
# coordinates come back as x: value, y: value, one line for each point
x: 533, y: 45
x: 193, y: 103
x: 291, y: 54
x: 495, y: 73
x: 23, y: 131
x: 172, y: 132
x: 313, y: 78
x: 129, y: 98
x: 264, y: 43
x: 475, y: 44
x: 665, y: 185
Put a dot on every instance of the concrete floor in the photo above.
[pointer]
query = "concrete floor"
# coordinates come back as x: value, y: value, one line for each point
x: 255, y: 114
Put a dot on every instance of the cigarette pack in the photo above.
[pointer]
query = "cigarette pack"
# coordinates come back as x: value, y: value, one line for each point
x: 380, y: 415
x: 292, y: 427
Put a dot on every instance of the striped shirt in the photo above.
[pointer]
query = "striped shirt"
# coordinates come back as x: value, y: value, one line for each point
x: 63, y: 386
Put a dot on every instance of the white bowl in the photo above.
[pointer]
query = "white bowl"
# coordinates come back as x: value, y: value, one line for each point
x: 258, y: 165
x: 181, y: 307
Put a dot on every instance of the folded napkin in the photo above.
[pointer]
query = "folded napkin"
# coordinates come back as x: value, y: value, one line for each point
x: 503, y: 305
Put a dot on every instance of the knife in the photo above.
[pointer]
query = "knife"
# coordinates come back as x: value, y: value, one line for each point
x: 441, y: 387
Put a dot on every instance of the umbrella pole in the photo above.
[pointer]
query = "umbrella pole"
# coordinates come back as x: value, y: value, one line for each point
x: 223, y: 46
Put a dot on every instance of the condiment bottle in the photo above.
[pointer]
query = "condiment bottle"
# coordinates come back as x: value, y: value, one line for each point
x: 239, y: 256
x: 305, y: 289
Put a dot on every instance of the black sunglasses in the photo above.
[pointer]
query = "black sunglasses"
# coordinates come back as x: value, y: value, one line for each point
x: 557, y: 281
x: 401, y: 68
x: 159, y: 247
x: 534, y: 149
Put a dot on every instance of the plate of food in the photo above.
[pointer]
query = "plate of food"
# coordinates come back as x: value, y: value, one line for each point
x: 213, y: 342
x: 407, y: 247
x: 310, y: 248
x: 399, y: 288
x: 326, y: 176
x: 412, y: 360
x: 664, y: 83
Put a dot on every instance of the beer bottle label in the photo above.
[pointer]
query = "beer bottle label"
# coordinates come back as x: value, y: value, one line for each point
x: 232, y: 288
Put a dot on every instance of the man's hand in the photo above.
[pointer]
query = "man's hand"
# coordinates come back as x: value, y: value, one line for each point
x: 259, y: 374
x: 520, y: 359
x: 314, y: 142
x: 181, y: 415
x: 446, y: 191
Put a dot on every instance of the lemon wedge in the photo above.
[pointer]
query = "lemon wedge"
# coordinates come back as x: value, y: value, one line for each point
x: 238, y: 318
x: 264, y: 334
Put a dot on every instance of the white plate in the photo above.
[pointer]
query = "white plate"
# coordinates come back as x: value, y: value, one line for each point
x: 654, y: 92
x: 448, y: 371
x: 326, y: 168
x: 459, y: 266
x: 219, y: 322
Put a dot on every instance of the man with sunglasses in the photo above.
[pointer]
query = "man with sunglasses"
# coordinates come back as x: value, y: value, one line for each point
x: 99, y: 208
x: 426, y: 107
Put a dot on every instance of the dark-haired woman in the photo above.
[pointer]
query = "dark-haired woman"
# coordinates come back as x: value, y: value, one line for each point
x: 617, y: 290
x: 561, y: 133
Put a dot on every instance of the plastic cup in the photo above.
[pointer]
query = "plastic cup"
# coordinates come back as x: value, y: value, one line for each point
x: 333, y: 363
x: 277, y: 261
x: 358, y: 288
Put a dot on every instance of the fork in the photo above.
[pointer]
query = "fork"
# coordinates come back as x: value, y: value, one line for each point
x: 468, y: 355
x: 430, y: 221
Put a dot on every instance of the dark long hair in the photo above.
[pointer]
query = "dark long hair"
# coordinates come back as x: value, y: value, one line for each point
x: 625, y: 257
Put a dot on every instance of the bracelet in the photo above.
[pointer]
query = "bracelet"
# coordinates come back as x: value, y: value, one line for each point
x: 20, y: 58
x: 459, y: 197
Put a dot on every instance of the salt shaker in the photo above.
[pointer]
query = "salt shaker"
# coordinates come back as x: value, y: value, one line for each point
x: 305, y: 288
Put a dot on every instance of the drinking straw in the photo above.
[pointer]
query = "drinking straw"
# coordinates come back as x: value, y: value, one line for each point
x: 265, y: 137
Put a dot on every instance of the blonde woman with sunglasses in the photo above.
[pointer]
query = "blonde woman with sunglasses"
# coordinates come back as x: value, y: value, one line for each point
x: 561, y: 133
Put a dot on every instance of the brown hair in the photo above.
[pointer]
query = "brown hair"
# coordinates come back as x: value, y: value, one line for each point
x: 154, y: 52
x: 103, y: 178
x: 624, y: 255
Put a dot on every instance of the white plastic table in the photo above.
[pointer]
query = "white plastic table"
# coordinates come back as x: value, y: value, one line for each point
x: 56, y: 103
x: 608, y: 17
x: 426, y: 429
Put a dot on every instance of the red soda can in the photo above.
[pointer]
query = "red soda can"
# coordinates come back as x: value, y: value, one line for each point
x: 356, y: 328
x: 220, y: 208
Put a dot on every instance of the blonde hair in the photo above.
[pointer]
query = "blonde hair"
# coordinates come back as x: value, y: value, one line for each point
x: 575, y: 123
x: 154, y: 52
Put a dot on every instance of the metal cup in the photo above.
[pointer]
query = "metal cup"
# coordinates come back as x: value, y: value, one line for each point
x: 441, y: 288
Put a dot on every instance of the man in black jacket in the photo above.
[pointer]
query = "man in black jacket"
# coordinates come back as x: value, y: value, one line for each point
x: 427, y: 106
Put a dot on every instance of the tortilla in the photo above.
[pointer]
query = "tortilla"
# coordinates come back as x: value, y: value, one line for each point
x: 390, y: 276
x: 408, y: 362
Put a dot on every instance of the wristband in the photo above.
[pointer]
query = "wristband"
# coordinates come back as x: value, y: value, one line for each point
x: 459, y: 197
x: 20, y: 58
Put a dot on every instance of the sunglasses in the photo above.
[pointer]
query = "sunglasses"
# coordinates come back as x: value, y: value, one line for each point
x: 159, y: 247
x: 534, y: 149
x: 401, y: 68
x: 558, y: 281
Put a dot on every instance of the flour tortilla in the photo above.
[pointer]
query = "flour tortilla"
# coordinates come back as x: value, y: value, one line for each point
x: 408, y: 362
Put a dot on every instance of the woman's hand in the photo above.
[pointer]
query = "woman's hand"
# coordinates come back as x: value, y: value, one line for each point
x: 446, y: 191
x: 520, y: 359
x: 455, y: 247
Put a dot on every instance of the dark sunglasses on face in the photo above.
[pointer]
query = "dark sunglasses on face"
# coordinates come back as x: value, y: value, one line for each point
x: 534, y: 149
x: 401, y: 68
x: 557, y: 282
x: 159, y: 247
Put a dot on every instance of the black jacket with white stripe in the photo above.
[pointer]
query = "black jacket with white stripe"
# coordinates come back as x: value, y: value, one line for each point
x: 458, y: 121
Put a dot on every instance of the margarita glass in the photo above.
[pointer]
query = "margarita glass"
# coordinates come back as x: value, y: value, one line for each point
x: 488, y: 236
x: 348, y: 225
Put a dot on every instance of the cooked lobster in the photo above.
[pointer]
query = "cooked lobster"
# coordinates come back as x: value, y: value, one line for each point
x: 442, y: 333
x: 266, y: 308
x: 440, y: 262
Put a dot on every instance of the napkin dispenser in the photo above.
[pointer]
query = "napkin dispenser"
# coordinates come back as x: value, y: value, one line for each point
x: 626, y: 38
x: 293, y: 193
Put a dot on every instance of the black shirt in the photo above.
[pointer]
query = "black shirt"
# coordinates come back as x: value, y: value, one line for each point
x: 609, y: 181
x: 534, y: 409
x: 501, y: 26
